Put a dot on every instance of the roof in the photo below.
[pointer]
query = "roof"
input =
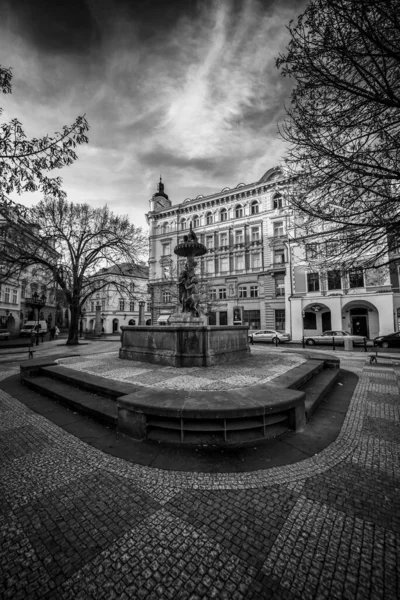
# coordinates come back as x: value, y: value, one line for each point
x: 128, y: 269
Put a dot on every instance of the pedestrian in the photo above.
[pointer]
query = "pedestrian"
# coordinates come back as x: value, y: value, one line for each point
x: 57, y: 332
x: 52, y: 332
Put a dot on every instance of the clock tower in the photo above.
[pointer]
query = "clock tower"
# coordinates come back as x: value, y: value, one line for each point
x: 159, y: 200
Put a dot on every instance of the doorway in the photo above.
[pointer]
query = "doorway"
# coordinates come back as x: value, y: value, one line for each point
x: 326, y: 321
x: 359, y: 325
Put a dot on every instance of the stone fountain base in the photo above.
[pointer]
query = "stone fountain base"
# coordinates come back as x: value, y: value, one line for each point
x: 184, y: 345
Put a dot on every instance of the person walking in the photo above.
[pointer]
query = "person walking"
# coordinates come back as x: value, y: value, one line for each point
x: 57, y: 332
x: 52, y: 332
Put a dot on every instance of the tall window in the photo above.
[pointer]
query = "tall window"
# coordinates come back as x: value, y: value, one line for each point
x: 7, y: 294
x: 223, y: 239
x: 256, y: 261
x: 210, y: 266
x: 166, y: 296
x: 222, y: 293
x: 166, y: 249
x: 210, y: 241
x: 23, y: 290
x: 103, y: 304
x: 121, y: 304
x: 196, y: 221
x: 239, y: 237
x: 255, y: 208
x: 224, y: 264
x: 334, y: 280
x: 131, y: 287
x: 242, y: 291
x: 240, y: 262
x: 254, y: 291
x: 165, y: 227
x: 280, y: 319
x: 313, y: 282
x: 183, y: 224
x: 277, y: 201
x: 279, y: 257
x: 92, y: 306
x: 239, y: 212
x: 278, y: 229
x: 209, y: 218
x: 312, y: 251
x: 255, y: 234
x: 223, y: 317
x: 213, y: 293
x: 14, y: 296
x: 280, y: 285
x: 131, y: 306
x: 148, y: 306
x: 356, y: 278
x: 223, y: 215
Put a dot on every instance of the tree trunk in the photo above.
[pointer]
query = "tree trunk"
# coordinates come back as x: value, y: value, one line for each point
x: 73, y: 333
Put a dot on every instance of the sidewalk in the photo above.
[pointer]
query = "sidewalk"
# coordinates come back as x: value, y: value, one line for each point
x: 77, y: 523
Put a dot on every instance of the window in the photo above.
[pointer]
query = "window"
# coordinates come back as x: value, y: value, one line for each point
x: 310, y: 320
x: 209, y: 218
x: 148, y: 307
x: 278, y: 229
x: 166, y: 296
x: 223, y: 215
x: 183, y: 224
x: 223, y: 317
x: 252, y: 318
x: 213, y: 293
x: 280, y: 285
x: 131, y: 287
x: 279, y: 257
x: 238, y: 212
x: 210, y: 241
x: 121, y: 304
x: 224, y: 264
x: 313, y: 282
x: 312, y: 251
x: 256, y: 261
x: 334, y: 280
x: 239, y: 237
x: 222, y: 293
x: 92, y: 306
x: 239, y: 262
x: 210, y: 266
x: 254, y: 291
x: 103, y: 304
x: 165, y: 227
x: 223, y: 239
x: 280, y: 319
x: 212, y: 318
x: 356, y: 278
x: 332, y: 248
x: 7, y: 294
x: 14, y: 296
x: 23, y: 290
x: 166, y: 249
x: 196, y: 221
x: 242, y: 291
x: 277, y: 201
x: 131, y: 306
x: 255, y: 234
x: 255, y: 208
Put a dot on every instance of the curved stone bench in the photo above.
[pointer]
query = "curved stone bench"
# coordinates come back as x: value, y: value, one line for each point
x: 236, y: 417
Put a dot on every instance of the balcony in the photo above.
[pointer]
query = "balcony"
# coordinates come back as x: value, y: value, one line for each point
x: 276, y: 267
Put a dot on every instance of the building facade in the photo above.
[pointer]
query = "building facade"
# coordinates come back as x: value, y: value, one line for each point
x: 120, y: 300
x: 245, y: 268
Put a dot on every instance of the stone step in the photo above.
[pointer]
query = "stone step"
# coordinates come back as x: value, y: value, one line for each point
x: 317, y: 388
x: 99, y: 408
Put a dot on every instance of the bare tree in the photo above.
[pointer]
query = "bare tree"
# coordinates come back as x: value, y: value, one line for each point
x: 24, y: 162
x: 73, y: 243
x: 343, y: 125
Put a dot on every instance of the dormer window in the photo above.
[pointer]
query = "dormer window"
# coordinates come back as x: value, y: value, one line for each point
x: 239, y: 211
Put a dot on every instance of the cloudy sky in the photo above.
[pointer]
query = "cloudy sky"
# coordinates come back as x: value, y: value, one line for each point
x: 183, y: 88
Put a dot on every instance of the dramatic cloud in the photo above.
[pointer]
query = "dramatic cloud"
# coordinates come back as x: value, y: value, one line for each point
x: 188, y: 90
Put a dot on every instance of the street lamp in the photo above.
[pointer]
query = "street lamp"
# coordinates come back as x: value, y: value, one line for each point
x: 37, y: 302
x: 82, y: 315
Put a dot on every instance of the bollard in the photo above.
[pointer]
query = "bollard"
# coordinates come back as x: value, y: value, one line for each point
x: 276, y: 341
x: 365, y: 344
x: 303, y: 342
x: 333, y: 343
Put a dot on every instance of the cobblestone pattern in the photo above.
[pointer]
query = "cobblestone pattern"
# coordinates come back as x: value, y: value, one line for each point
x: 76, y: 523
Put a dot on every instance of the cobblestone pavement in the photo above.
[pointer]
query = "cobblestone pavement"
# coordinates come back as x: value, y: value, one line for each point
x: 76, y: 523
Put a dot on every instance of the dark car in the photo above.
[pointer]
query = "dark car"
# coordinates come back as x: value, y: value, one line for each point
x: 392, y: 340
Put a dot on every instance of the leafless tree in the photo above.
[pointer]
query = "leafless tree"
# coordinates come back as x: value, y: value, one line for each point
x: 343, y: 125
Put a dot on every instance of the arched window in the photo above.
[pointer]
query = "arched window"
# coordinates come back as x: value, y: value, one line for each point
x: 132, y: 322
x: 183, y: 224
x: 239, y: 211
x: 209, y: 218
x: 223, y: 215
x: 196, y: 221
x: 255, y: 208
x: 277, y: 201
x: 165, y: 227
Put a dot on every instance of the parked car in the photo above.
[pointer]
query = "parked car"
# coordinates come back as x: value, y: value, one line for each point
x: 4, y: 334
x: 32, y: 326
x: 340, y: 336
x: 392, y: 340
x: 268, y: 335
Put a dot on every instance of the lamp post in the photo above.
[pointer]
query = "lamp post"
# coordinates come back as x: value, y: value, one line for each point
x: 37, y: 302
x: 82, y: 316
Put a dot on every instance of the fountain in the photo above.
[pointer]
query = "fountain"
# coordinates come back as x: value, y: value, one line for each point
x: 188, y: 341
